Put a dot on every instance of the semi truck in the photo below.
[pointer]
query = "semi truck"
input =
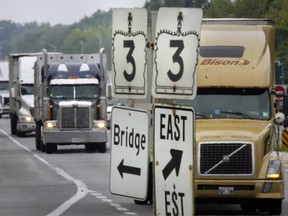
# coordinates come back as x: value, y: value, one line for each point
x: 235, y: 153
x: 69, y: 101
x: 21, y: 99
x: 4, y: 88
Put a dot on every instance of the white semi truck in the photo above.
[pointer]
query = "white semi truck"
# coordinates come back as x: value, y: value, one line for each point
x: 70, y: 103
x: 4, y: 88
x: 21, y: 85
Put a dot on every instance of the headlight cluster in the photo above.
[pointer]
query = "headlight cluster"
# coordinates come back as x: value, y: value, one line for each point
x: 99, y: 124
x: 274, y: 170
x: 26, y: 118
x: 50, y: 124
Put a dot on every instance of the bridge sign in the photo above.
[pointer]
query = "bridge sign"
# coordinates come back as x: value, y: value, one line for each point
x: 176, y: 53
x: 173, y: 154
x: 129, y: 63
x: 129, y: 152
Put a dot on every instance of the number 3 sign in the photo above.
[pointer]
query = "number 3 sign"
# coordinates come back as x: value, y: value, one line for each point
x: 129, y: 63
x: 176, y: 53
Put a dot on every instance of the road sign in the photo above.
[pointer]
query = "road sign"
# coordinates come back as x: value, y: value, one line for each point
x: 280, y: 91
x: 173, y: 154
x: 176, y: 53
x: 129, y: 152
x: 129, y: 63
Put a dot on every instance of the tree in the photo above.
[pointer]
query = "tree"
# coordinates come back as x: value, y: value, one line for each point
x: 220, y: 9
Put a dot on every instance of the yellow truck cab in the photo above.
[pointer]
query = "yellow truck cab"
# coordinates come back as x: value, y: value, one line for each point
x: 236, y: 138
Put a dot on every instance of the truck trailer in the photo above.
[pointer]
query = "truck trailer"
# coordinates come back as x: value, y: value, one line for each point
x: 21, y: 85
x: 70, y: 103
x: 235, y: 153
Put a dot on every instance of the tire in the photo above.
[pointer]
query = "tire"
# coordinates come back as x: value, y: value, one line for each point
x: 275, y: 207
x: 91, y: 147
x: 102, y: 147
x: 272, y: 206
x: 38, y: 143
x: 13, y: 123
x: 248, y: 206
x: 51, y: 148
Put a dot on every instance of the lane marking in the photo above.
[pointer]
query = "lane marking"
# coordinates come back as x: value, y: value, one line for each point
x: 82, y: 189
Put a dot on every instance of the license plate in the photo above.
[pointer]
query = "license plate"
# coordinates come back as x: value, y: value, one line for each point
x: 226, y: 190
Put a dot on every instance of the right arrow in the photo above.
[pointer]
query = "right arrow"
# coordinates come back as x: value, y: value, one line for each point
x: 174, y: 163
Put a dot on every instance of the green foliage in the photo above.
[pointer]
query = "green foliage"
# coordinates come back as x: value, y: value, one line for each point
x: 91, y: 33
x: 219, y: 9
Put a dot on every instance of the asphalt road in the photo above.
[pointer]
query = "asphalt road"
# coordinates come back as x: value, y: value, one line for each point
x: 70, y: 182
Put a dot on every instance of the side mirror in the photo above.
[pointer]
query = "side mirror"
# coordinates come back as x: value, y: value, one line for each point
x: 279, y: 118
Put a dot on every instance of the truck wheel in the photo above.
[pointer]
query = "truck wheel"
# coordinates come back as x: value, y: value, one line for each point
x: 275, y: 207
x: 102, y: 147
x: 13, y: 122
x: 51, y: 148
x: 38, y: 141
x: 248, y: 206
x: 91, y: 147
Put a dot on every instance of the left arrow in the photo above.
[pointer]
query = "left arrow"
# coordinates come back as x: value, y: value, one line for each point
x: 128, y: 169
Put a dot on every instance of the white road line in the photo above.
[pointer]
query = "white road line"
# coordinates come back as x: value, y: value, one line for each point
x: 82, y: 189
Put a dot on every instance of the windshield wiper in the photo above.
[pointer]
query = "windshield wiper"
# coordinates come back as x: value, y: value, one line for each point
x: 236, y: 113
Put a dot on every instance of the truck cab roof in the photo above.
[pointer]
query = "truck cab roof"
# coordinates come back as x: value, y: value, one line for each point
x: 72, y: 71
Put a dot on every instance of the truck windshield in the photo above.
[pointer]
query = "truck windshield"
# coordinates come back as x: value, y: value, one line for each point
x: 27, y: 89
x: 74, y: 92
x: 241, y: 103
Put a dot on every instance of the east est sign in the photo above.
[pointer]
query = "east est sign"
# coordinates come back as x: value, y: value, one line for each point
x: 129, y: 152
x: 176, y: 53
x: 129, y: 63
x: 173, y: 155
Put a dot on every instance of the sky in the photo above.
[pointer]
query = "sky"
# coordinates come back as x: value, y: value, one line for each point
x: 58, y: 11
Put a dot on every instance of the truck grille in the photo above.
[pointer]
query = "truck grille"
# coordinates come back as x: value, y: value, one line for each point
x: 226, y: 159
x: 75, y: 117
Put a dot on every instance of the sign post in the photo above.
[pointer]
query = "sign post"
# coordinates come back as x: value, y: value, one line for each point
x: 174, y: 140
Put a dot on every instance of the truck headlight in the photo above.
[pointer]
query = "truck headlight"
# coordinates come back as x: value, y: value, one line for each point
x: 274, y: 170
x: 99, y: 124
x: 50, y: 124
x: 25, y: 118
